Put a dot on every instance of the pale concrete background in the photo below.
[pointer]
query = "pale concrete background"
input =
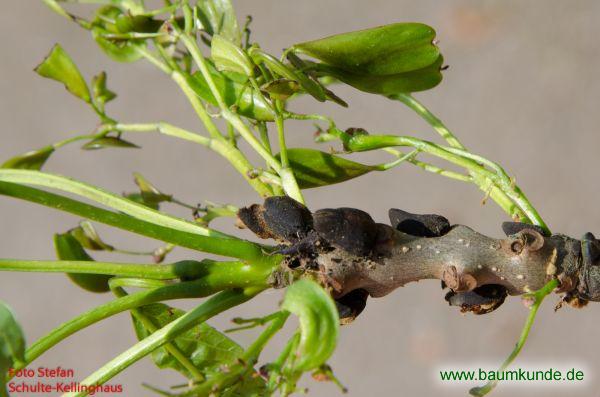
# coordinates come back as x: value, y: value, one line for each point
x: 522, y: 89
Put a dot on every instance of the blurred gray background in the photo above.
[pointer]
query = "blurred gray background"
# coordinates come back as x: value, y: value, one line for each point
x: 522, y: 89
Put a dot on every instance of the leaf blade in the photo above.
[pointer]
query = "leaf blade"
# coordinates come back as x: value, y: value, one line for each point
x: 68, y: 248
x: 33, y: 160
x: 202, y: 345
x: 229, y: 57
x: 12, y: 344
x: 248, y: 102
x: 218, y: 17
x: 314, y: 168
x: 59, y: 66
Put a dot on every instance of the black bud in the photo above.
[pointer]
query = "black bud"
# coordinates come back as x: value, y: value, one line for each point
x: 350, y: 229
x: 510, y: 228
x: 280, y: 218
x: 589, y: 274
x: 425, y: 225
x: 286, y: 218
x: 252, y: 218
x: 351, y: 305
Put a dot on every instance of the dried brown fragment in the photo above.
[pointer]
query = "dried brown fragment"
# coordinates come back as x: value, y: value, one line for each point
x: 458, y: 281
x: 252, y: 218
x: 481, y: 300
x: 575, y: 301
x: 511, y: 228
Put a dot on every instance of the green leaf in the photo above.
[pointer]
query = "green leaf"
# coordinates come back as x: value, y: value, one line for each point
x: 121, y: 50
x: 60, y: 67
x: 384, y: 50
x: 282, y: 89
x: 107, y: 142
x: 240, y: 95
x: 218, y: 17
x: 12, y: 345
x: 68, y: 248
x: 314, y: 168
x: 203, y: 345
x: 127, y: 23
x: 138, y: 198
x: 54, y: 6
x: 150, y: 193
x: 310, y: 82
x: 319, y: 323
x: 33, y: 160
x: 417, y: 80
x: 312, y: 87
x: 213, y: 211
x: 88, y: 237
x: 229, y: 57
x: 101, y: 93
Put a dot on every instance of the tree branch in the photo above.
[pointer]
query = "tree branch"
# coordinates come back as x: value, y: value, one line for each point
x: 358, y: 257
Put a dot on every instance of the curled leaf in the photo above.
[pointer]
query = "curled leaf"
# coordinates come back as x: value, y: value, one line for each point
x: 214, y: 211
x: 138, y: 198
x: 101, y: 93
x: 282, y: 89
x: 319, y: 323
x: 88, y: 237
x: 149, y: 192
x: 311, y: 86
x: 59, y: 66
x: 390, y: 49
x: 33, y: 160
x: 126, y: 23
x: 416, y: 80
x: 314, y: 168
x: 311, y: 82
x: 68, y: 248
x: 386, y: 60
x: 108, y: 141
x: 229, y: 57
x: 121, y: 50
